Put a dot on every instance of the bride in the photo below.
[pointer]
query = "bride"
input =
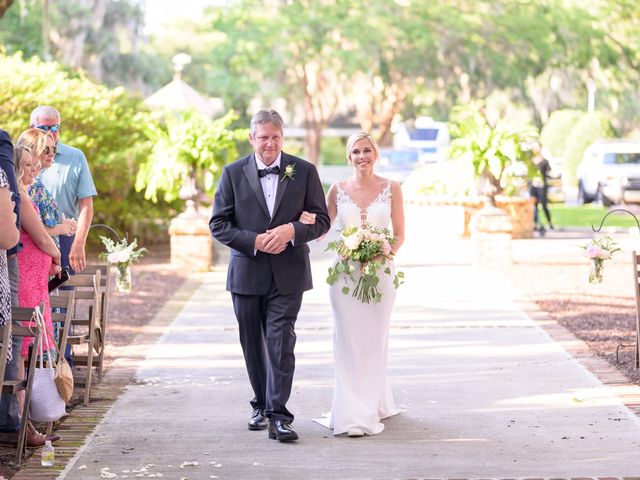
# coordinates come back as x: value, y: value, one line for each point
x: 362, y: 396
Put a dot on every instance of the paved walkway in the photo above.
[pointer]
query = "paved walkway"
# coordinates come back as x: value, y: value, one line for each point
x: 487, y: 394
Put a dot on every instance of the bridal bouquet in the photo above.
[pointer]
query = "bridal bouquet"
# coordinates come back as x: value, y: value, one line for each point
x: 364, y: 252
x: 600, y: 248
x: 122, y: 255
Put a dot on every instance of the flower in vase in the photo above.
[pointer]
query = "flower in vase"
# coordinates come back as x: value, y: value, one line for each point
x: 122, y: 254
x: 600, y: 248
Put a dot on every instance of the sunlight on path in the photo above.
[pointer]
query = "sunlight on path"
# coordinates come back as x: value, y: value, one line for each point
x: 487, y: 394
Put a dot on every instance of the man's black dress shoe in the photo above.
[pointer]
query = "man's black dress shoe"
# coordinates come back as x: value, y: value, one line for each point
x: 258, y: 420
x: 281, y: 430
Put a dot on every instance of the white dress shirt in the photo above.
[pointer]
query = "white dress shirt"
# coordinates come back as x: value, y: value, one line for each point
x: 269, y: 183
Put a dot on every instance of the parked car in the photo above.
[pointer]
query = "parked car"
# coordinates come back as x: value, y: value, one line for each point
x: 610, y: 173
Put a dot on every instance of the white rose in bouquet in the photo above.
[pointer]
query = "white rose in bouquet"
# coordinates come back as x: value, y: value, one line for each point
x: 123, y: 256
x: 352, y: 241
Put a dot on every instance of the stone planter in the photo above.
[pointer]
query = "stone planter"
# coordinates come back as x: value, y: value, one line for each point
x: 520, y: 209
x: 491, y: 230
x: 191, y: 242
x: 453, y: 215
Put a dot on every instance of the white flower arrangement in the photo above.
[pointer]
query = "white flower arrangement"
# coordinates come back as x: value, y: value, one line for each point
x: 122, y: 254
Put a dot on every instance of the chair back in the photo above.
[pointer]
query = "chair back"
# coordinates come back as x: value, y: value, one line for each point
x: 65, y: 299
x: 636, y: 283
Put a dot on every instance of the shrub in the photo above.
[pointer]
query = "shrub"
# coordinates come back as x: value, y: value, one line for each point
x: 555, y: 133
x: 499, y: 154
x: 590, y: 127
x: 446, y: 182
x: 189, y: 150
x: 108, y: 125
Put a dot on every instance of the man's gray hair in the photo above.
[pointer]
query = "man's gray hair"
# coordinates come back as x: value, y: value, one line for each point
x: 43, y: 111
x: 266, y: 116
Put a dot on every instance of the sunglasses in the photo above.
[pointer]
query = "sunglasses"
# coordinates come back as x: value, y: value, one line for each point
x: 48, y: 150
x: 54, y: 128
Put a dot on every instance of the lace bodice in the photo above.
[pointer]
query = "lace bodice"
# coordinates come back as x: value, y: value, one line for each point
x: 377, y: 213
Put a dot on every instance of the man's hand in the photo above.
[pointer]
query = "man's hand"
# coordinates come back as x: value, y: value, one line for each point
x: 76, y: 256
x: 260, y: 244
x: 276, y: 239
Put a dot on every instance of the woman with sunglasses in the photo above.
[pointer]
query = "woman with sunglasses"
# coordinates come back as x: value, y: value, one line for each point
x: 38, y: 259
x: 42, y: 145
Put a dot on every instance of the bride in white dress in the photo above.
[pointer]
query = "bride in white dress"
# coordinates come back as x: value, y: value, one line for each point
x: 362, y: 396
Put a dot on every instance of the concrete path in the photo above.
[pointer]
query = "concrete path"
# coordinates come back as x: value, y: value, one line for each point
x: 487, y: 394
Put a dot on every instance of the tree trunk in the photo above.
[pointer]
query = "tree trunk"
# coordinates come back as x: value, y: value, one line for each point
x: 320, y: 105
x: 71, y: 41
x: 46, y: 44
x: 313, y: 144
x: 383, y: 103
x: 4, y: 6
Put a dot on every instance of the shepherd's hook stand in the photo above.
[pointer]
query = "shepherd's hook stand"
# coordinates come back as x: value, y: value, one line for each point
x: 636, y: 287
x: 102, y: 225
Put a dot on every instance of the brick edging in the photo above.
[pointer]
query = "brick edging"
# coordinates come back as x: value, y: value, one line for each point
x: 627, y: 391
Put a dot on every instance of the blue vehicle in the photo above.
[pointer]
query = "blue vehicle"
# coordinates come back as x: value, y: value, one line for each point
x: 398, y: 164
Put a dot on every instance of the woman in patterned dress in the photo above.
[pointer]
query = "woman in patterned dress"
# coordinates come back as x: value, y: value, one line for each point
x: 43, y: 147
x: 39, y: 257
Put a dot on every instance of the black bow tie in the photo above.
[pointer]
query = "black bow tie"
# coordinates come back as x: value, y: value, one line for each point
x: 269, y: 171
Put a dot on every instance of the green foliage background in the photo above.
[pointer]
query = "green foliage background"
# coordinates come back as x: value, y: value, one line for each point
x: 555, y: 133
x: 108, y: 125
x: 590, y: 127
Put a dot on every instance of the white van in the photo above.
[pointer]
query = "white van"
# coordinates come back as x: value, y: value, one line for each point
x: 426, y: 136
x: 610, y: 173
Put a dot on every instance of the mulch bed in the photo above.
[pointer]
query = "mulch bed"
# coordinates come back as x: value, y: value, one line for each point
x: 603, y: 315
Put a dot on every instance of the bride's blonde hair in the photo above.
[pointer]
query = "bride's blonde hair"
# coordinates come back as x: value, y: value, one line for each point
x: 359, y: 136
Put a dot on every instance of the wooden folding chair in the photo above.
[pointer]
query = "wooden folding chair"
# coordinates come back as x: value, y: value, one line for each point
x: 64, y: 299
x: 12, y: 387
x: 636, y: 282
x: 86, y: 315
x: 101, y: 331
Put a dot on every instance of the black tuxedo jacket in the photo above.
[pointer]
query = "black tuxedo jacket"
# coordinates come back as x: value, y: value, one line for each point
x: 240, y: 213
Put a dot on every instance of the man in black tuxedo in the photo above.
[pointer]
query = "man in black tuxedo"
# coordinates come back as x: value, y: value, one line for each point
x: 256, y: 212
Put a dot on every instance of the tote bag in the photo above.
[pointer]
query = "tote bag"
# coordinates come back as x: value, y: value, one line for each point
x: 46, y: 405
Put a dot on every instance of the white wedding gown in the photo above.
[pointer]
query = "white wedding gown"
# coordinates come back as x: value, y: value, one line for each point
x: 362, y: 396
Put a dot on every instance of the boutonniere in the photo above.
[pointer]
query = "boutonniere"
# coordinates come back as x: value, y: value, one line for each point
x: 289, y: 172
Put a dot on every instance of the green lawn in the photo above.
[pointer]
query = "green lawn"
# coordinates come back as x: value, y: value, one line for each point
x: 587, y: 215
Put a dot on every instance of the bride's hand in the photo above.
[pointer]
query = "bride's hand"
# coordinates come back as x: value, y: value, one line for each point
x: 307, y: 218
